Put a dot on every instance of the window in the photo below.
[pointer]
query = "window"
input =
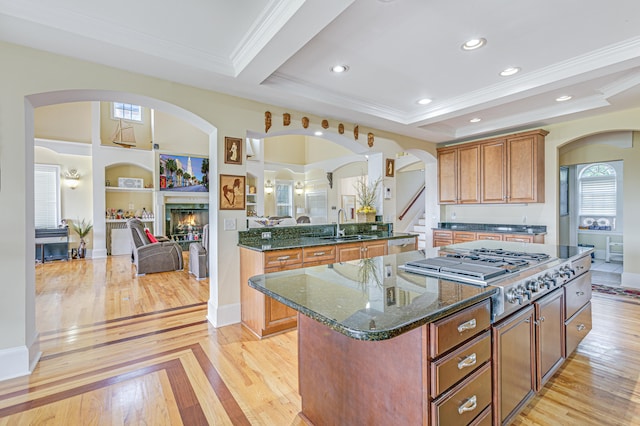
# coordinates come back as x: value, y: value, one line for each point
x: 127, y: 111
x: 598, y: 191
x: 284, y: 198
x: 47, y: 196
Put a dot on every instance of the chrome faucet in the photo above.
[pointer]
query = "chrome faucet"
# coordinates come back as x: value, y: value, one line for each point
x: 340, y: 232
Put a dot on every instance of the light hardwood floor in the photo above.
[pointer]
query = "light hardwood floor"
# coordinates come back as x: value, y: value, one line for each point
x: 119, y: 349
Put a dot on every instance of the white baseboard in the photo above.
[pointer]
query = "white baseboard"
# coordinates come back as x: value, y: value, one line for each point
x: 631, y: 280
x: 18, y: 361
x: 219, y: 316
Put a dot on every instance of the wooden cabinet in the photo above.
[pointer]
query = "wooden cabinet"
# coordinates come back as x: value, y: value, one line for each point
x: 550, y: 348
x: 361, y: 250
x: 458, y: 175
x: 460, y: 367
x: 442, y: 238
x: 318, y: 255
x: 259, y: 313
x: 502, y: 170
x: 577, y: 296
x: 463, y: 237
x: 513, y: 364
x: 577, y: 327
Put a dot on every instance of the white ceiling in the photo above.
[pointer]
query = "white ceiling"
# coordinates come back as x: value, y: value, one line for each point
x: 398, y: 51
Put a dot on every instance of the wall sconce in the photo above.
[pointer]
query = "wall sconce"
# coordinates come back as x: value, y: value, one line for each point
x: 268, y: 187
x: 72, y: 178
x: 299, y: 188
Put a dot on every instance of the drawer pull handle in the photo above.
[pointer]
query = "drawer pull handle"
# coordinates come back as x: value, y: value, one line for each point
x: 467, y: 362
x: 580, y: 293
x: 469, y: 405
x: 284, y: 257
x: 319, y: 253
x: 581, y: 327
x: 469, y: 325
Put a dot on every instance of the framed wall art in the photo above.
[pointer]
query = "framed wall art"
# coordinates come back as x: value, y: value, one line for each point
x: 232, y: 192
x: 390, y: 169
x: 233, y: 151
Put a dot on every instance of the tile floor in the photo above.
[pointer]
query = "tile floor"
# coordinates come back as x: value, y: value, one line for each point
x: 606, y: 273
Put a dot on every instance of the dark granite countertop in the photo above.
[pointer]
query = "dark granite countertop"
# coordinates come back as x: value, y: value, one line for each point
x: 493, y: 228
x: 369, y: 299
x: 311, y: 241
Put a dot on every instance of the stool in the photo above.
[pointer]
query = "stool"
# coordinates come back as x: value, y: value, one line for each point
x: 607, y: 249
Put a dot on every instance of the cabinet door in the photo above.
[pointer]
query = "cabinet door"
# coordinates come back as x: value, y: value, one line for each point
x: 278, y: 316
x: 374, y: 248
x: 469, y: 174
x: 493, y: 176
x: 525, y: 169
x: 514, y: 364
x: 549, y: 335
x: 349, y: 251
x: 448, y: 176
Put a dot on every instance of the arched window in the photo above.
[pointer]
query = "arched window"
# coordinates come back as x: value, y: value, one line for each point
x: 598, y: 191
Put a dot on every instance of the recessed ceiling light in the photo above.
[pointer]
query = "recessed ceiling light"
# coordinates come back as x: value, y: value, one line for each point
x: 339, y: 68
x: 563, y: 98
x: 474, y: 43
x: 318, y: 133
x: 424, y: 101
x: 509, y: 71
x: 475, y: 120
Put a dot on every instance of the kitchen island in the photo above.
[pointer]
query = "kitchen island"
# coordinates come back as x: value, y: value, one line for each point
x: 368, y: 334
x: 380, y: 345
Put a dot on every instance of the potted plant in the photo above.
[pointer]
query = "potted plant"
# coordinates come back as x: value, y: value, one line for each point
x: 366, y: 193
x: 82, y: 229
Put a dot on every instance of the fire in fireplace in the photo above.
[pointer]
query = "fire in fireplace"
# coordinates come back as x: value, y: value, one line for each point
x: 184, y: 222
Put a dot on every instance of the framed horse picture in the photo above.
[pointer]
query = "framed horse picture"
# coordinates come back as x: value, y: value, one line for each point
x: 232, y: 192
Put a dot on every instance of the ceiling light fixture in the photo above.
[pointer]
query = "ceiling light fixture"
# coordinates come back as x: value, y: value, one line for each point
x: 509, y: 71
x: 424, y: 101
x: 339, y: 68
x: 475, y: 120
x: 563, y: 98
x: 318, y: 133
x: 474, y: 43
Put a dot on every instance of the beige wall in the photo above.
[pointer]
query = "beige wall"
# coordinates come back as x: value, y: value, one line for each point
x: 64, y: 122
x: 177, y: 136
x: 108, y: 126
x: 73, y: 80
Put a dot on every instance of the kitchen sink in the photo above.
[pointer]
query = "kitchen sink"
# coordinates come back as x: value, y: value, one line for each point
x: 349, y: 237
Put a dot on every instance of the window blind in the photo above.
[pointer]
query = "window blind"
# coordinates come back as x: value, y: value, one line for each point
x: 598, y: 196
x: 47, y: 196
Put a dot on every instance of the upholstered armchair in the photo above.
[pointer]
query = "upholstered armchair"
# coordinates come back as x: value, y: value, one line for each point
x: 149, y: 255
x: 199, y: 256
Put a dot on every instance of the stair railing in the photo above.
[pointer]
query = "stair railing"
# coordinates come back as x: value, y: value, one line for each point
x: 412, y: 202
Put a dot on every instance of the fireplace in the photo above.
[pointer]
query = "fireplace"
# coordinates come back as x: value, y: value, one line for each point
x: 184, y: 222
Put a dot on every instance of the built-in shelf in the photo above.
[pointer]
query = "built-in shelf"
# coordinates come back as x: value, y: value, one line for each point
x: 119, y: 189
x: 125, y: 220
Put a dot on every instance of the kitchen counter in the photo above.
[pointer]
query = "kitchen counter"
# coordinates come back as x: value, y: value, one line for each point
x: 312, y: 241
x: 369, y: 299
x: 492, y: 228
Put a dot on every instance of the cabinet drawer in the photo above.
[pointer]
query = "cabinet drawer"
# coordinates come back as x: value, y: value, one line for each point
x: 577, y: 328
x: 463, y: 236
x: 319, y: 254
x: 484, y: 419
x: 464, y: 402
x: 449, y: 332
x: 445, y: 235
x: 518, y: 238
x: 577, y: 294
x: 582, y: 265
x: 282, y: 258
x: 452, y: 368
x: 485, y: 236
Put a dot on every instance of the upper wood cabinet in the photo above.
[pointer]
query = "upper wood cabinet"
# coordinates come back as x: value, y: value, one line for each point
x: 459, y: 171
x: 509, y: 169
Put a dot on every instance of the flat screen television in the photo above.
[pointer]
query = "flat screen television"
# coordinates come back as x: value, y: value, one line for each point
x: 184, y: 173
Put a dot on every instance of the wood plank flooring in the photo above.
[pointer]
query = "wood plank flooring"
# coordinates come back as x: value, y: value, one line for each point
x: 125, y: 350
